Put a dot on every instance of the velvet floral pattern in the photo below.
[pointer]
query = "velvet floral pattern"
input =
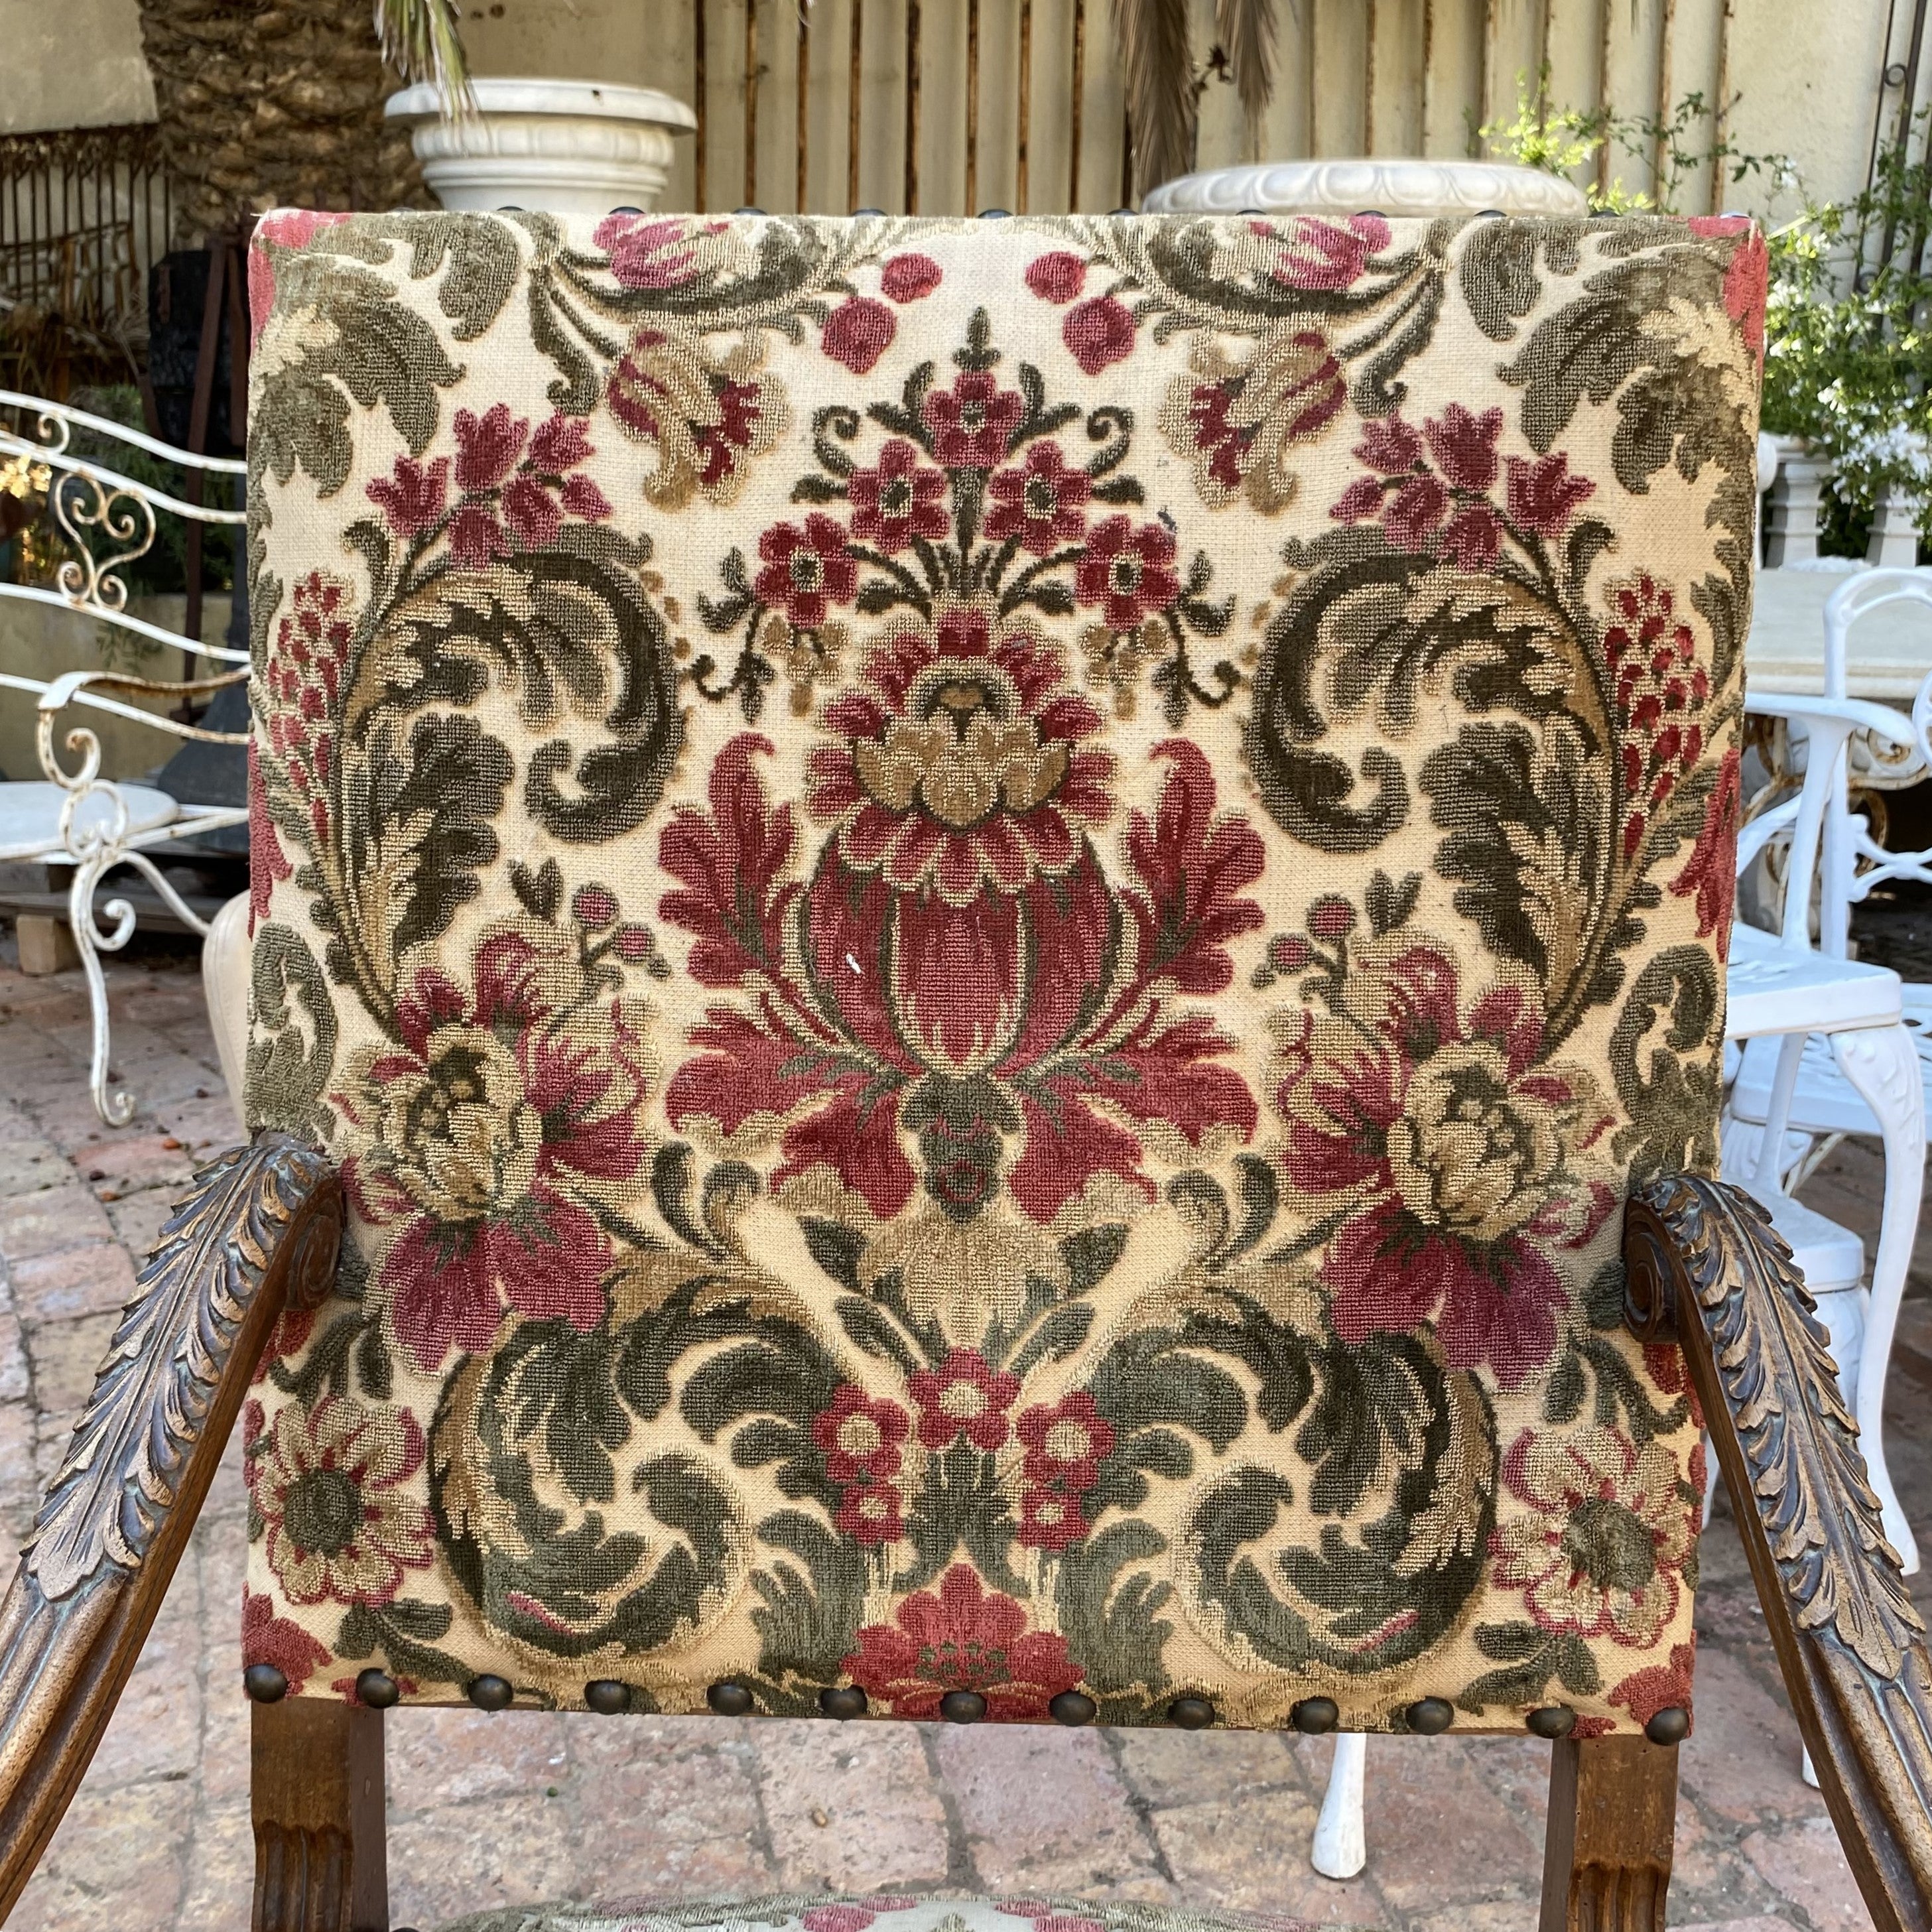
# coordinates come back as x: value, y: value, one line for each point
x: 988, y: 918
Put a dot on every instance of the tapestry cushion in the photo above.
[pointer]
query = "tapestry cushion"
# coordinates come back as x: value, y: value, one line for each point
x: 877, y: 1912
x: 988, y: 917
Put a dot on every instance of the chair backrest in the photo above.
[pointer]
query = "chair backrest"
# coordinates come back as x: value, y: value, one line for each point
x: 989, y: 917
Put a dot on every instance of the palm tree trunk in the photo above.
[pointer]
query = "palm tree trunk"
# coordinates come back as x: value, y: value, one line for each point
x: 272, y: 105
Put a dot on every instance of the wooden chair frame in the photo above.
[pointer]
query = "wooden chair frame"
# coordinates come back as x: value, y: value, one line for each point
x: 260, y: 1232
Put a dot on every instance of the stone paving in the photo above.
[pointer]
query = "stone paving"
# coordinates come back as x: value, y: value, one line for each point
x: 488, y: 1811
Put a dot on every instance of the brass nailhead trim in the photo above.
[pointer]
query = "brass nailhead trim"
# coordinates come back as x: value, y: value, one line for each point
x: 842, y: 1701
x: 489, y: 1693
x: 729, y: 1700
x: 1315, y: 1716
x: 962, y: 1707
x: 1671, y: 1726
x: 377, y: 1689
x: 1191, y: 1714
x: 265, y: 1684
x: 1430, y: 1717
x: 606, y: 1696
x: 1552, y: 1720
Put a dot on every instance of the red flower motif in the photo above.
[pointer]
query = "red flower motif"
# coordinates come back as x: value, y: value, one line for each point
x: 1128, y: 572
x: 413, y: 495
x: 267, y: 863
x: 1389, y: 445
x: 294, y: 228
x: 964, y: 1637
x: 1600, y: 1547
x: 1464, y: 445
x: 973, y: 422
x: 956, y: 997
x: 1067, y: 1442
x: 1039, y: 501
x: 858, y: 332
x: 859, y: 1436
x: 532, y: 513
x: 1318, y: 254
x: 1659, y: 693
x: 1712, y: 870
x: 487, y: 1128
x: 900, y: 499
x: 269, y: 1639
x: 559, y: 444
x: 488, y: 446
x: 475, y: 537
x: 871, y: 1512
x: 582, y: 498
x: 1746, y: 275
x: 906, y: 278
x: 961, y: 760
x: 1332, y: 917
x: 651, y: 253
x: 1473, y: 536
x: 1660, y: 1687
x: 1443, y: 1142
x: 1543, y: 495
x: 1098, y: 333
x: 1050, y: 1519
x: 594, y: 908
x: 1057, y: 277
x: 1415, y: 513
x: 965, y: 1397
x: 806, y: 571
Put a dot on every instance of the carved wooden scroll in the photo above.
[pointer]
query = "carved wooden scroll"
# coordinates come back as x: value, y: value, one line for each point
x: 1849, y: 1641
x: 260, y: 1231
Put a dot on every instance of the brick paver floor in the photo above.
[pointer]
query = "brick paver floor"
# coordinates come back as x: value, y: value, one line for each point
x: 486, y: 1811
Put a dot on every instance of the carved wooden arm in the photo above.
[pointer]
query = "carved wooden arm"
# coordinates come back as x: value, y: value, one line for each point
x: 259, y: 1231
x: 1704, y: 1267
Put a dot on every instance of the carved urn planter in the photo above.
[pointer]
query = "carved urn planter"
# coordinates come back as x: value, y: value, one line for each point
x: 571, y: 147
x: 1393, y: 185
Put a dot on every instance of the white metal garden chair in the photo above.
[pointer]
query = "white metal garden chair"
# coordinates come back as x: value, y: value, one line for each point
x: 81, y: 819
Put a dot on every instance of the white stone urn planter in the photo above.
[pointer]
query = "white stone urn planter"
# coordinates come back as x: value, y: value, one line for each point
x: 1391, y: 186
x: 568, y: 147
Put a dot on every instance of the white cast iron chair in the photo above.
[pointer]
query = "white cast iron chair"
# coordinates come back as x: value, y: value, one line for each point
x: 79, y: 819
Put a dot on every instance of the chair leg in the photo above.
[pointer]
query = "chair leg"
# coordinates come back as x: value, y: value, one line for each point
x: 1341, y: 1848
x: 1606, y: 1853
x: 321, y: 1863
x: 1882, y: 1063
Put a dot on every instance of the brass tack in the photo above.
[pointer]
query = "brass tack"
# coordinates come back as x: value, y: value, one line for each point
x: 1430, y: 1717
x: 606, y: 1696
x: 1072, y: 1708
x: 1314, y: 1716
x: 265, y: 1684
x: 377, y: 1689
x: 490, y: 1693
x: 1671, y: 1726
x: 842, y: 1701
x: 728, y: 1699
x: 1552, y: 1720
x: 962, y: 1707
x: 1191, y: 1714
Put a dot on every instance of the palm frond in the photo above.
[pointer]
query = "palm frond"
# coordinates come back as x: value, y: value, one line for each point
x: 420, y: 40
x: 1247, y: 31
x: 1159, y: 72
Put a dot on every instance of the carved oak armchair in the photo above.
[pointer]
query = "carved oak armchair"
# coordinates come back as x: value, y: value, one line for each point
x: 998, y: 945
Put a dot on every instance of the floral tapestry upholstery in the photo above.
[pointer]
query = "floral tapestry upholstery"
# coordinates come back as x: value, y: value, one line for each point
x: 987, y: 917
